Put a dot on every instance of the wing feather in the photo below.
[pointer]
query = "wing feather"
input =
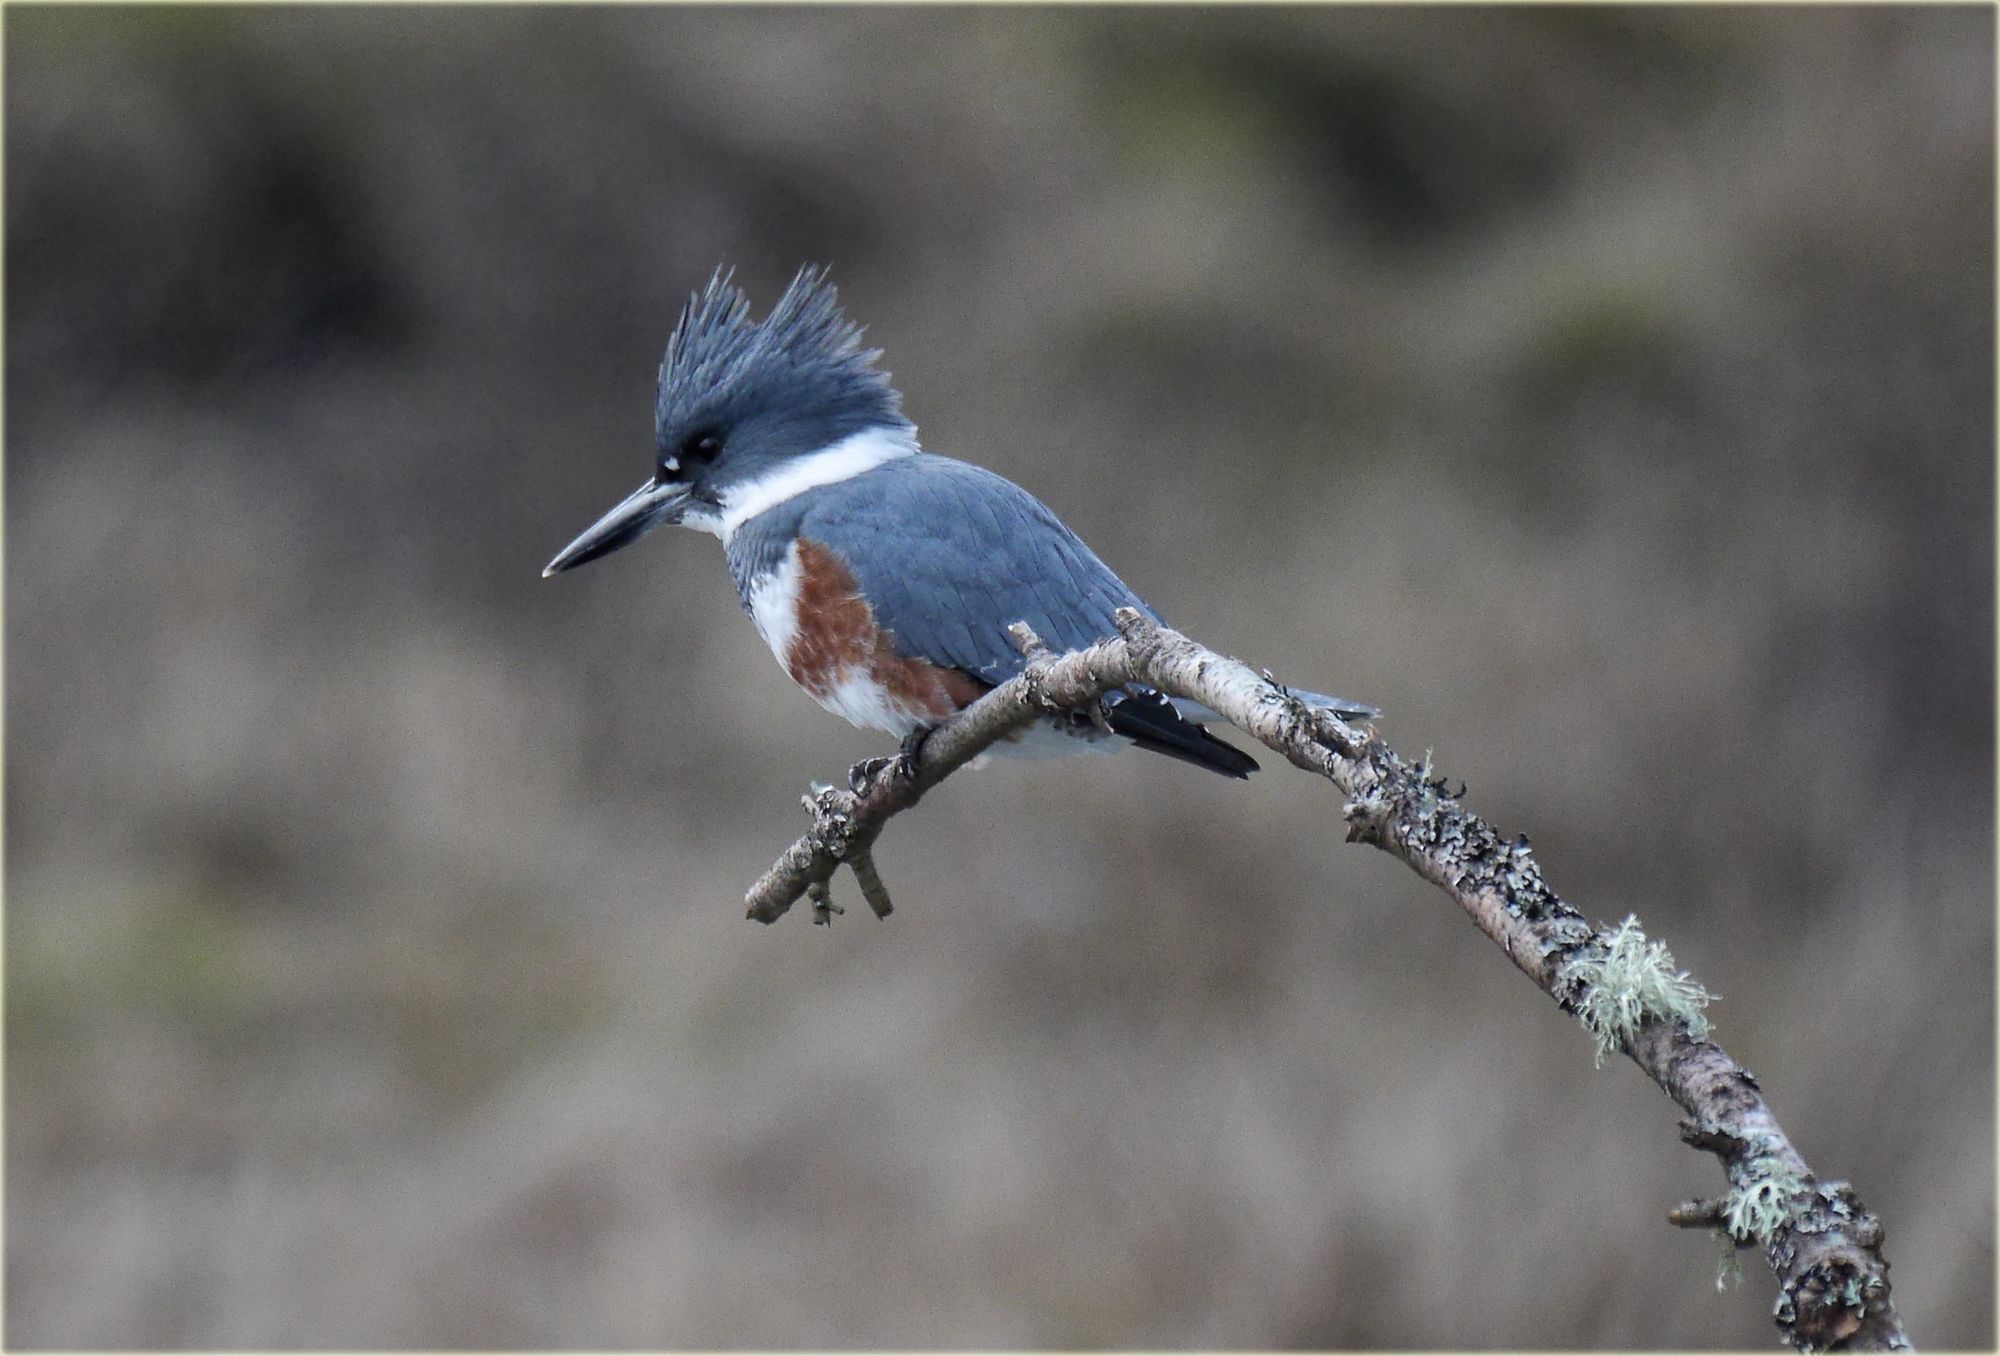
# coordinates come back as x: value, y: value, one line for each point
x: 949, y: 554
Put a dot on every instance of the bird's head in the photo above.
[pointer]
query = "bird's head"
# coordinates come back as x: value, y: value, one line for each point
x: 753, y: 412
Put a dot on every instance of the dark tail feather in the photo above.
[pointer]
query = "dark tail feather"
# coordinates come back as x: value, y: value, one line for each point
x: 1151, y: 722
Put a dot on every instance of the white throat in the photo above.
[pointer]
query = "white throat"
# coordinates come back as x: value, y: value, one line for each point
x: 850, y: 457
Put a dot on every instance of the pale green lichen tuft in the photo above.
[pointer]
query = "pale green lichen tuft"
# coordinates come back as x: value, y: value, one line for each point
x: 1761, y: 1199
x: 1728, y: 1266
x: 1629, y: 981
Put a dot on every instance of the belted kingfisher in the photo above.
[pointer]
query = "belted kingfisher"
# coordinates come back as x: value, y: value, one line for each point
x: 882, y: 576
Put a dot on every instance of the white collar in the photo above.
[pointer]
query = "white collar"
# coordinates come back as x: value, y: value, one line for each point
x: 851, y: 456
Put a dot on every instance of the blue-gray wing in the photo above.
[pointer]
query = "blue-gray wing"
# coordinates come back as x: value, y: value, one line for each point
x: 949, y: 555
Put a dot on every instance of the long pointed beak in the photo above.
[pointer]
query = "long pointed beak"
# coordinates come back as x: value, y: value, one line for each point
x: 637, y: 514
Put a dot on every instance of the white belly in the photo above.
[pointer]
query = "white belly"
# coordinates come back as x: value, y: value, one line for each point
x: 854, y: 695
x: 774, y: 605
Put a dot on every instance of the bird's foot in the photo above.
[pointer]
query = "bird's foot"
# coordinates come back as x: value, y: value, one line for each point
x: 865, y: 773
x: 911, y: 751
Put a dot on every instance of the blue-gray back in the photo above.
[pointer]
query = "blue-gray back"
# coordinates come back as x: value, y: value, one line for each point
x: 949, y: 554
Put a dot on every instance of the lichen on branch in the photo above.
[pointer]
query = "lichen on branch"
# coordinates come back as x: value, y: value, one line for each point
x: 1823, y: 1246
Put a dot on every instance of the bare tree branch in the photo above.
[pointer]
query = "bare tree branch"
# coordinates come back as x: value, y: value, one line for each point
x: 1822, y: 1244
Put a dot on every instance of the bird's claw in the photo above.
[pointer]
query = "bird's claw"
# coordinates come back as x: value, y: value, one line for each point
x: 912, y: 749
x: 868, y: 771
x: 863, y: 774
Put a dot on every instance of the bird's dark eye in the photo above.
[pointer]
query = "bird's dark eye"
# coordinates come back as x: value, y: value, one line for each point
x: 695, y: 454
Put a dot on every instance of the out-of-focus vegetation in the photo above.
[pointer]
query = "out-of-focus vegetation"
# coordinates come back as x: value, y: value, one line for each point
x: 1607, y: 393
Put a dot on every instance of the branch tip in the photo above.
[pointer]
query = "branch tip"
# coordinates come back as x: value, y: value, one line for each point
x: 1027, y: 642
x: 1133, y: 624
x: 862, y: 863
x: 823, y: 907
x: 1699, y: 1214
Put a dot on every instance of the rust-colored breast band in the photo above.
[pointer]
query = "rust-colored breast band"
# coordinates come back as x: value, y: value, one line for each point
x: 838, y: 640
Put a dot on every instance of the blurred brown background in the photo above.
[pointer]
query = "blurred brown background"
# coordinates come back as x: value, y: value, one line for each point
x: 1607, y: 393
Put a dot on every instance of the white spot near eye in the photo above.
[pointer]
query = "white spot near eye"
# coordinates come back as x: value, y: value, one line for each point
x: 672, y: 466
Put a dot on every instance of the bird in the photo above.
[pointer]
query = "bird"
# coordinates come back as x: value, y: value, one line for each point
x: 882, y: 576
